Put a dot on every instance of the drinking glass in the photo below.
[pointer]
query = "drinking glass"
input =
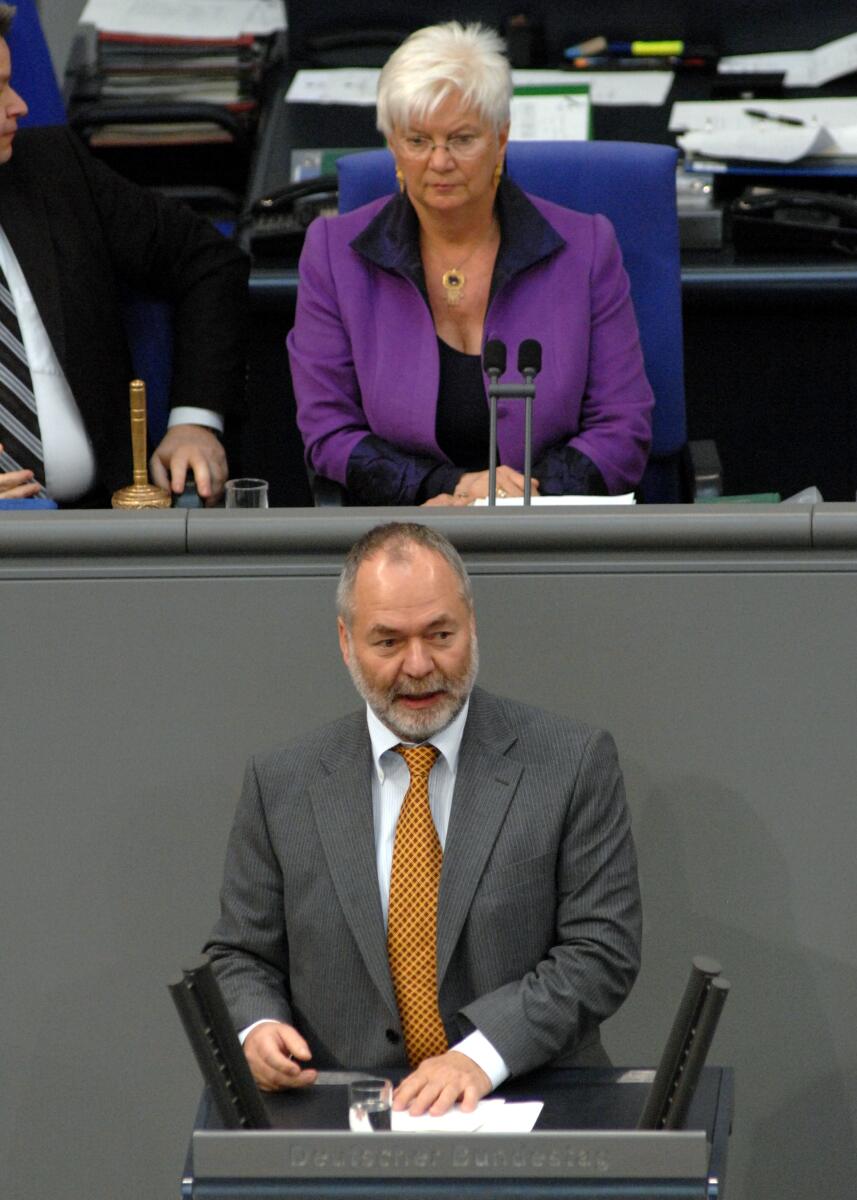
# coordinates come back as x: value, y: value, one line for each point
x: 370, y: 1105
x: 246, y: 493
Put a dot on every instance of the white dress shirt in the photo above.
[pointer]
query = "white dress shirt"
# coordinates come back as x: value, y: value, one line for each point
x: 68, y: 454
x: 390, y: 779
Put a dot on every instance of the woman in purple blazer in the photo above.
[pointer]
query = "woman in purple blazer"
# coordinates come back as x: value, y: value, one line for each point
x: 397, y: 299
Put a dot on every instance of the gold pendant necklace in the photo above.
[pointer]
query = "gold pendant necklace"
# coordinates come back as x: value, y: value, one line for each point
x: 454, y: 279
x: 453, y: 282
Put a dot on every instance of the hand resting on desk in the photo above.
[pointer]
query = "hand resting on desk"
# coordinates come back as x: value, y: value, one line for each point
x: 474, y: 484
x: 195, y: 448
x: 17, y: 485
x: 440, y: 1082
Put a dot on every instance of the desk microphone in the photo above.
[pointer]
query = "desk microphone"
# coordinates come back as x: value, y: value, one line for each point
x: 494, y: 364
x: 530, y: 359
x: 494, y: 359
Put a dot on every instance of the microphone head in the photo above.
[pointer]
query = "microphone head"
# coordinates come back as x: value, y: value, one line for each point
x: 530, y: 357
x: 494, y: 357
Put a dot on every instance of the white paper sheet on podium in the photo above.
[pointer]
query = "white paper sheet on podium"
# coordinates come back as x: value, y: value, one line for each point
x: 490, y: 1116
x: 548, y: 501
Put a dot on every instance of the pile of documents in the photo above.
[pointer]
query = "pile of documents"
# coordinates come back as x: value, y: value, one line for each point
x: 166, y: 52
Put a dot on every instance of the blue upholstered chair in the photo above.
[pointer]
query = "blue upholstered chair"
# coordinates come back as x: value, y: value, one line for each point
x: 33, y: 75
x: 634, y: 185
x: 149, y: 327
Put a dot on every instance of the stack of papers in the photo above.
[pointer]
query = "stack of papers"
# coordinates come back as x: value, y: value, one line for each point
x: 155, y: 52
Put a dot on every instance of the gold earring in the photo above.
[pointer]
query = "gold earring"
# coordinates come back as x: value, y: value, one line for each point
x: 498, y: 171
x: 400, y: 179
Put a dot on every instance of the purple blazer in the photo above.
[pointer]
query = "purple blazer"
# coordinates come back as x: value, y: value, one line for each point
x: 364, y: 354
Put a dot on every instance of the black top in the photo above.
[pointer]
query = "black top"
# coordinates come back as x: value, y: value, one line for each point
x: 463, y: 421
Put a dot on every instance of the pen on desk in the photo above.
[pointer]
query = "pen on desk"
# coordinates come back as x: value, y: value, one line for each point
x: 593, y: 45
x: 761, y: 115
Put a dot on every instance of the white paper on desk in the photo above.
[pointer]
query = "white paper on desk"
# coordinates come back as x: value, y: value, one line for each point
x: 547, y: 501
x: 713, y: 115
x: 550, y: 118
x: 765, y: 141
x: 357, y: 85
x: 338, y: 85
x: 605, y: 87
x: 803, y: 68
x: 186, y: 18
x: 489, y: 1116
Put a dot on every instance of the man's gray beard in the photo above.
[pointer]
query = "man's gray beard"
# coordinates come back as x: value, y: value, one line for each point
x: 418, y: 725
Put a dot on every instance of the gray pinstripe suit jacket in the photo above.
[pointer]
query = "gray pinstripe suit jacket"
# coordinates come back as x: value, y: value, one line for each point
x: 538, y: 916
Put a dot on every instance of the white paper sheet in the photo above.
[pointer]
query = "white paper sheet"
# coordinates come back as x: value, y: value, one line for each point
x: 186, y: 18
x: 763, y: 142
x: 713, y: 115
x: 338, y: 85
x: 547, y: 501
x: 606, y: 87
x: 803, y: 68
x: 489, y: 1116
x: 550, y: 118
x: 357, y: 85
x: 724, y: 129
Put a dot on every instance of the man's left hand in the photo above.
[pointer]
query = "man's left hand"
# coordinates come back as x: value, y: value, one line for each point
x: 195, y: 448
x: 440, y: 1082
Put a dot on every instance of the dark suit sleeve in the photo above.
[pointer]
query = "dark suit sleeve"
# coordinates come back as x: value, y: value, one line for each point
x: 556, y: 1007
x: 248, y: 949
x: 164, y: 249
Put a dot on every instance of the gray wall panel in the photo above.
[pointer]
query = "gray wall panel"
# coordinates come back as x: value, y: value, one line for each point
x: 135, y: 703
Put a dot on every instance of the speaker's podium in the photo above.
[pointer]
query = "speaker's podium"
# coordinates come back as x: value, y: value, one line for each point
x: 627, y: 1135
x: 585, y: 1144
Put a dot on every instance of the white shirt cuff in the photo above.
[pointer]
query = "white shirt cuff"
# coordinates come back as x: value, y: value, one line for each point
x: 262, y: 1021
x: 477, y: 1047
x: 186, y: 415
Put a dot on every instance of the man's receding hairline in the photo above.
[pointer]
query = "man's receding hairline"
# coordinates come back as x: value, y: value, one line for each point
x: 398, y: 541
x: 405, y: 551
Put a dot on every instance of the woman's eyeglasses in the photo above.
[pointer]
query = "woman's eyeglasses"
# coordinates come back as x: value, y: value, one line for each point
x: 460, y: 145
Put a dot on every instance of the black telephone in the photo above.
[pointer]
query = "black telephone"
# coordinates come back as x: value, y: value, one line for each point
x: 793, y: 219
x: 275, y: 224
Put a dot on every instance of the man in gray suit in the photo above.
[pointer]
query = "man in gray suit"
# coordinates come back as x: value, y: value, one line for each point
x: 534, y: 913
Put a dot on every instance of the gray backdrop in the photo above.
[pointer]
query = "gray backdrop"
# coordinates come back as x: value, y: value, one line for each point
x: 720, y: 650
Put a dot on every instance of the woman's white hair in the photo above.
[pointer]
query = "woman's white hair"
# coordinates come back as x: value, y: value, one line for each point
x: 438, y: 61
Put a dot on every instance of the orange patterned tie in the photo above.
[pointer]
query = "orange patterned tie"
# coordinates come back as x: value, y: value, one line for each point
x: 412, y: 922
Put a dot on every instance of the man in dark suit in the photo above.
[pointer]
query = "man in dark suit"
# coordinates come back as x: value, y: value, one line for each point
x: 72, y: 233
x: 535, y: 904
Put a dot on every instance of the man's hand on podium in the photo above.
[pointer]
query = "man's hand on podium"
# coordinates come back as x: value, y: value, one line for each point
x: 274, y: 1052
x: 440, y: 1082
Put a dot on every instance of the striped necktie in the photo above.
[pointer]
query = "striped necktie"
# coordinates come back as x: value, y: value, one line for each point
x: 19, y: 420
x: 412, y: 920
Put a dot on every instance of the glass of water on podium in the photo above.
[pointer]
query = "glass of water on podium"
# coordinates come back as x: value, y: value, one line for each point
x: 370, y: 1105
